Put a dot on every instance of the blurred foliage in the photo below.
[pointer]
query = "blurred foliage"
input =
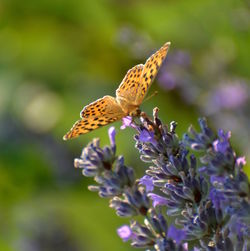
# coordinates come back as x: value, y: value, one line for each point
x: 57, y: 56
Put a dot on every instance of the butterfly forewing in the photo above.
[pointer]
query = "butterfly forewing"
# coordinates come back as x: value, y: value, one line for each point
x: 150, y: 71
x: 129, y: 85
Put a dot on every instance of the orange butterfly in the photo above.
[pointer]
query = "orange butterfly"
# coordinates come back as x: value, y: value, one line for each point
x: 129, y: 96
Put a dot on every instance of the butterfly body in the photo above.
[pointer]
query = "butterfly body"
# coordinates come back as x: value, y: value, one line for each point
x: 127, y: 107
x: 129, y: 97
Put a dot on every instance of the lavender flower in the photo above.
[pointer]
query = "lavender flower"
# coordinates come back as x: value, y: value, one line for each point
x: 147, y: 136
x: 176, y: 234
x: 158, y: 200
x: 222, y: 144
x: 125, y: 233
x: 112, y: 135
x: 147, y: 181
x: 198, y: 183
x: 127, y: 122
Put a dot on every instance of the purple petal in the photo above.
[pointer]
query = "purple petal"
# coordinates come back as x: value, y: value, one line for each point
x: 185, y: 246
x: 241, y: 161
x: 112, y: 134
x: 157, y: 199
x: 147, y: 136
x: 125, y: 233
x: 215, y: 178
x: 224, y: 136
x: 196, y: 249
x: 176, y: 234
x: 222, y: 144
x: 147, y: 181
x: 217, y: 198
x: 127, y: 122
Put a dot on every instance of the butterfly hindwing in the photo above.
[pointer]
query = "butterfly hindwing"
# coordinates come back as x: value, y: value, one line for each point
x: 100, y: 107
x: 99, y: 113
x: 86, y: 125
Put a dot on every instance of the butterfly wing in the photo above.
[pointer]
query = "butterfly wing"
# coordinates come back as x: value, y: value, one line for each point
x: 100, y: 107
x: 86, y: 125
x: 93, y: 118
x: 129, y: 85
x: 150, y: 71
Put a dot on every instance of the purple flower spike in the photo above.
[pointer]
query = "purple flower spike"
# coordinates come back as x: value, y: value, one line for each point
x: 176, y: 234
x: 112, y: 134
x: 204, y: 191
x: 147, y: 181
x: 127, y: 122
x: 125, y: 233
x: 147, y: 136
x: 157, y: 199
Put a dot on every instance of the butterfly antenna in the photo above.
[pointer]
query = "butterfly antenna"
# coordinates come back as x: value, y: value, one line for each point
x: 151, y: 96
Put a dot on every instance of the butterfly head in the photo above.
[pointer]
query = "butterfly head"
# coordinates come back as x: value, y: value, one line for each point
x: 135, y: 113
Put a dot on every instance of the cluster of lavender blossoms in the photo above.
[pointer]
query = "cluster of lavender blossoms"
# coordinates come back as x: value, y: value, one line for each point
x: 194, y: 195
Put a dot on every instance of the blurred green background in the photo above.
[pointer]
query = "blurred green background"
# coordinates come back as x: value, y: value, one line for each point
x: 57, y: 56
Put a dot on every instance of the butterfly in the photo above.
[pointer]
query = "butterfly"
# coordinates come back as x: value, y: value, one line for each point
x: 129, y: 96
